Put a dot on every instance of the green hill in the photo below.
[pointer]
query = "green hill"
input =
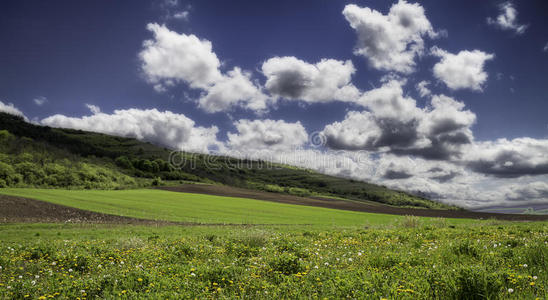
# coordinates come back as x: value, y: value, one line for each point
x: 41, y: 156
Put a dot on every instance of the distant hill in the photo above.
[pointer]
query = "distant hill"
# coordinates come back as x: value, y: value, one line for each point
x: 41, y: 156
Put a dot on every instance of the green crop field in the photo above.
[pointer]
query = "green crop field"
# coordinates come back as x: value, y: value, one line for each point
x: 198, y: 208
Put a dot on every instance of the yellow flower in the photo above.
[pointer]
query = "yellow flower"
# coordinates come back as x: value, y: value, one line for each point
x: 532, y: 283
x: 140, y: 279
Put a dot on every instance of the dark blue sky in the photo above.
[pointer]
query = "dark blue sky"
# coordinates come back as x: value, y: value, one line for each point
x: 75, y: 52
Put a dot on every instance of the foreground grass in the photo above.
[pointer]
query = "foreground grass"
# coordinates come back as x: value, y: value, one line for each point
x: 409, y: 259
x: 197, y: 208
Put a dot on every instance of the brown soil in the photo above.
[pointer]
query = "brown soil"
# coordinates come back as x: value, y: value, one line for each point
x: 346, y: 205
x: 22, y: 210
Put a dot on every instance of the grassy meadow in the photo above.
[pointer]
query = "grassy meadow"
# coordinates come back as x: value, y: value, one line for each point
x: 404, y: 259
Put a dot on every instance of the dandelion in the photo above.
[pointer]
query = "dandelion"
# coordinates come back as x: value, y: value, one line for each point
x: 532, y: 283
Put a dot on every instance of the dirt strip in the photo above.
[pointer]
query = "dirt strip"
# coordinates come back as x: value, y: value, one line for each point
x: 23, y: 210
x: 346, y: 205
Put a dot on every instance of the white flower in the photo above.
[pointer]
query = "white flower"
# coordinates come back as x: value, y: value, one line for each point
x: 20, y: 276
x: 192, y: 274
x: 510, y: 290
x: 327, y: 264
x: 525, y: 265
x: 535, y: 277
x: 350, y: 259
x: 53, y: 263
x: 70, y: 270
x: 316, y: 267
x: 36, y: 276
x: 82, y: 291
x: 33, y: 282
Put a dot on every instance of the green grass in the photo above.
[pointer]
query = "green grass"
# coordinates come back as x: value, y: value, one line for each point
x: 197, y: 208
x: 426, y: 261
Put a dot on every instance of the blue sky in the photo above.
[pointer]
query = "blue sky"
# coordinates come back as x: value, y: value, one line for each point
x: 247, y: 76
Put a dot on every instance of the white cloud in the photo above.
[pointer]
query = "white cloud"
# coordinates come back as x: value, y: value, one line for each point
x: 358, y: 131
x: 393, y: 123
x: 390, y: 42
x: 389, y: 101
x: 267, y: 135
x: 93, y: 108
x: 463, y: 70
x: 11, y: 109
x: 327, y: 80
x: 507, y: 19
x: 422, y: 88
x: 234, y: 89
x: 163, y: 128
x: 40, y: 100
x: 545, y: 49
x: 173, y: 57
x: 508, y: 158
x: 181, y: 15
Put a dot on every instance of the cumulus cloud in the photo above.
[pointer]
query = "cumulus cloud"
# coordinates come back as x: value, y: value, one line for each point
x: 233, y: 89
x: 422, y: 88
x: 390, y: 42
x: 507, y: 19
x: 463, y: 70
x: 393, y: 123
x: 40, y: 100
x: 274, y: 135
x: 163, y: 128
x: 508, y: 158
x: 327, y: 80
x: 172, y: 57
x: 11, y: 109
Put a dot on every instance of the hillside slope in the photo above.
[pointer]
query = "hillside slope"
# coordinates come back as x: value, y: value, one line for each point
x: 30, y: 154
